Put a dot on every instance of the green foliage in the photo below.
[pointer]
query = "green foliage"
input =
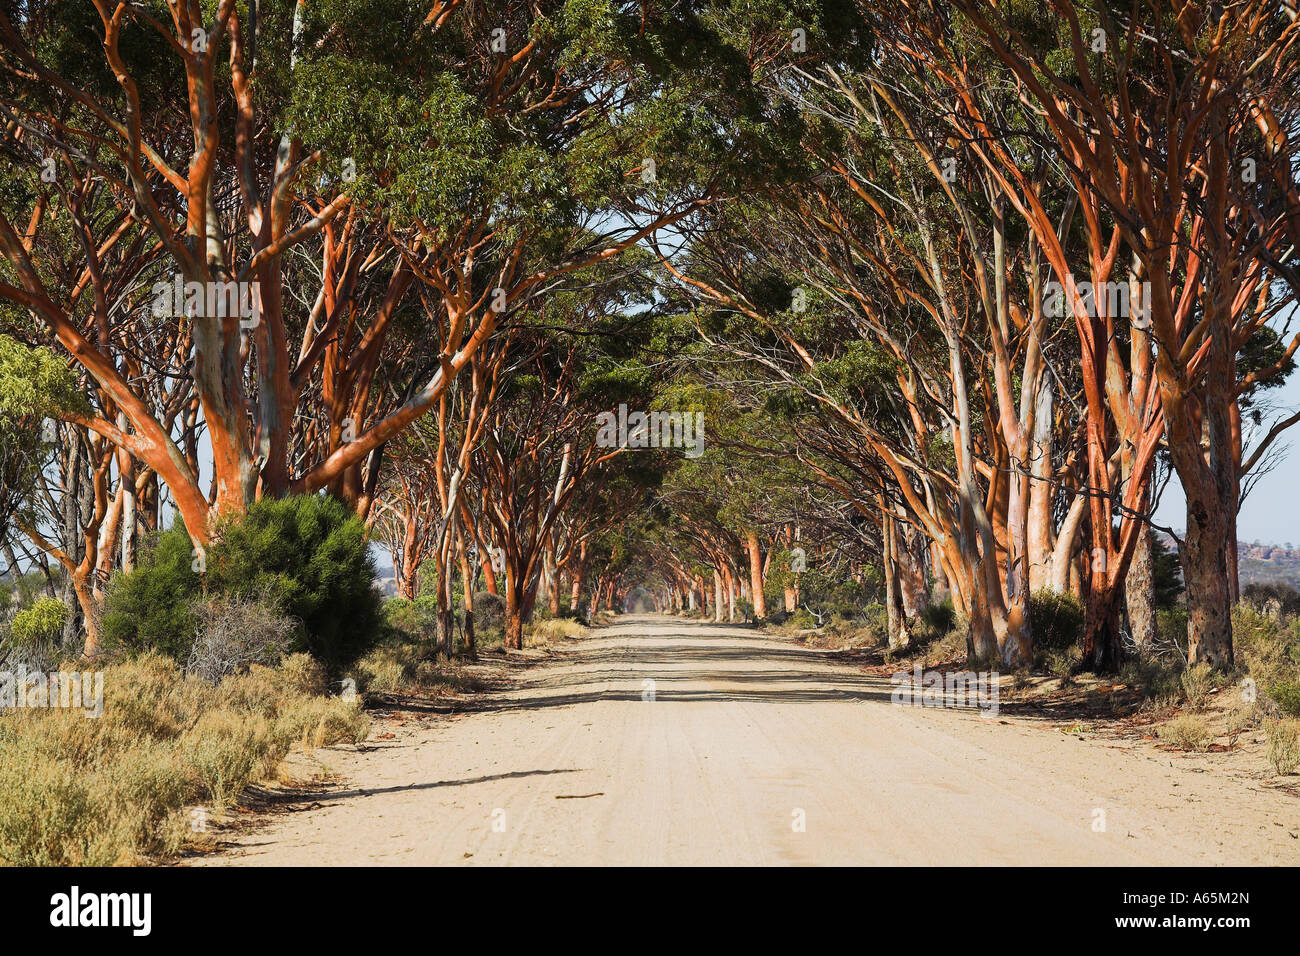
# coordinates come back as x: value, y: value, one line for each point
x: 1171, y: 629
x: 311, y: 553
x: 39, y: 624
x: 801, y: 620
x: 1154, y: 678
x: 1166, y: 574
x: 414, y: 620
x: 35, y: 382
x: 34, y: 385
x: 1286, y: 694
x: 1267, y: 645
x: 150, y: 608
x: 940, y: 617
x: 307, y: 553
x: 1057, y: 620
x: 489, y: 617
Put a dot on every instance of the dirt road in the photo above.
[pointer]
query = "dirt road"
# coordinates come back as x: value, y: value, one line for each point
x: 659, y: 741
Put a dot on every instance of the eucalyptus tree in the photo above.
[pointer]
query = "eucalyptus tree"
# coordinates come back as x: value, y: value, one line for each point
x: 314, y: 164
x: 1176, y: 124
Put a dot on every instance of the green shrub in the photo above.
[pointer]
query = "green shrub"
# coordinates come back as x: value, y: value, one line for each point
x: 152, y: 607
x: 1267, y: 646
x: 1056, y: 619
x: 33, y: 638
x: 1171, y: 629
x: 802, y: 620
x: 875, y: 618
x: 311, y: 553
x: 414, y: 620
x: 489, y: 612
x: 42, y: 623
x: 306, y: 553
x: 940, y: 617
x: 1286, y: 694
x: 1153, y: 677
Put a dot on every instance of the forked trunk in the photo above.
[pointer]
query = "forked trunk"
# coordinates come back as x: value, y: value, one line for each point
x: 1102, y: 650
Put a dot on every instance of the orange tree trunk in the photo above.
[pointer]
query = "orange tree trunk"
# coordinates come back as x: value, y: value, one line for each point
x: 756, y: 575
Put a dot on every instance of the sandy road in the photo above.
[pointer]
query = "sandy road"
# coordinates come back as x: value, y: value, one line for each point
x: 745, y: 737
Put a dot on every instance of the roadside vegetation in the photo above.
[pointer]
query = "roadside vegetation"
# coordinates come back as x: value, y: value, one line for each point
x: 169, y: 755
x: 210, y: 671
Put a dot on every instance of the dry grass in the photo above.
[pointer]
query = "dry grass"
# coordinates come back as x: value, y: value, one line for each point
x: 1239, y: 718
x: 118, y: 789
x: 1197, y: 683
x: 543, y: 632
x: 1283, y: 745
x: 1187, y: 732
x: 404, y: 669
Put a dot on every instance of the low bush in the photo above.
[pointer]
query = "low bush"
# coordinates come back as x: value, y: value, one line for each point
x: 34, y: 634
x: 552, y: 629
x: 1186, y: 732
x: 1286, y: 694
x: 234, y: 632
x: 489, y: 609
x: 1197, y: 682
x: 1283, y: 745
x: 801, y: 620
x: 1056, y: 619
x: 940, y: 617
x: 403, y: 669
x: 1171, y: 631
x: 1154, y: 678
x: 307, y: 553
x: 151, y: 609
x: 413, y: 620
x: 40, y: 623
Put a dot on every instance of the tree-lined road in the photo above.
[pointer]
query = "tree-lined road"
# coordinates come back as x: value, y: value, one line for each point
x: 662, y: 741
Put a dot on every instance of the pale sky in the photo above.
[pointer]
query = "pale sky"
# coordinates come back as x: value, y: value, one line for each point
x: 1271, y: 514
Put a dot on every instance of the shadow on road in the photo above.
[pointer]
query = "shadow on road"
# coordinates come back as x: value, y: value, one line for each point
x: 689, y: 662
